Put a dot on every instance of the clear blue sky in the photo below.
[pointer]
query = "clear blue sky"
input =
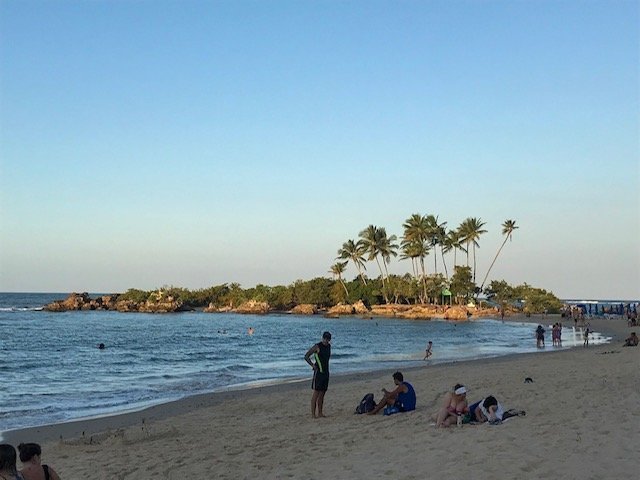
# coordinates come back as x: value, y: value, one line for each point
x: 191, y: 143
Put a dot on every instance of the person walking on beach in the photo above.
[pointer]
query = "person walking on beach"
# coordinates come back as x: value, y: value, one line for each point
x: 321, y: 352
x: 540, y: 337
x: 428, y: 352
x: 587, y: 331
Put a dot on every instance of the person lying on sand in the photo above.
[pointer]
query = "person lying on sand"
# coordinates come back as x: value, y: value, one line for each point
x: 400, y: 399
x: 486, y: 410
x: 454, y: 405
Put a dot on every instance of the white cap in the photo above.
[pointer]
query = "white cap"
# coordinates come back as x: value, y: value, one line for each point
x: 460, y: 391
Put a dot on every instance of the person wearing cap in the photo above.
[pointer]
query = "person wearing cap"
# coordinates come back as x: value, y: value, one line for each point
x: 454, y: 405
x: 320, y: 352
x: 400, y: 399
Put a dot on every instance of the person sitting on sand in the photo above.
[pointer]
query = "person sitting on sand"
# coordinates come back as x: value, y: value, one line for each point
x: 32, y: 469
x: 486, y: 410
x: 454, y: 405
x: 631, y: 340
x: 400, y: 399
x: 8, y: 469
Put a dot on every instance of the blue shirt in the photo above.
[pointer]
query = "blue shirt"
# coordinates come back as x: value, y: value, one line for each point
x: 407, y: 401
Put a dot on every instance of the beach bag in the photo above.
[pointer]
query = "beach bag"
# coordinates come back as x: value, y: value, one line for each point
x: 367, y: 404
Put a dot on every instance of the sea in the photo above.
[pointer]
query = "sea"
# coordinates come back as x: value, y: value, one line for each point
x: 53, y: 371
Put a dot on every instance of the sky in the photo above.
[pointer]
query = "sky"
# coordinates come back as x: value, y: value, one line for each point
x: 193, y: 143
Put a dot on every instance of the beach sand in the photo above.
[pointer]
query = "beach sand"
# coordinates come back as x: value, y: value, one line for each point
x: 582, y: 422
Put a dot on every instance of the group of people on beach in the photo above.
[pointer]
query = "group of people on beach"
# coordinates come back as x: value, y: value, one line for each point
x: 402, y: 398
x: 456, y: 410
x: 32, y: 466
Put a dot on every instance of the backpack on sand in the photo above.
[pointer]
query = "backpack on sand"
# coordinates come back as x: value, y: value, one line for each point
x: 366, y: 404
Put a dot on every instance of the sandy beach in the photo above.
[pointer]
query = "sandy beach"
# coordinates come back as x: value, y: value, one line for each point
x: 582, y: 421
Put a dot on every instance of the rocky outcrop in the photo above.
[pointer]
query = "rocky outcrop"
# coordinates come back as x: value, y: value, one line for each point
x: 161, y: 305
x: 340, y: 309
x: 359, y: 308
x: 253, y: 306
x: 389, y: 310
x: 75, y: 301
x: 304, y: 309
x: 155, y: 304
x: 457, y: 313
x: 215, y: 309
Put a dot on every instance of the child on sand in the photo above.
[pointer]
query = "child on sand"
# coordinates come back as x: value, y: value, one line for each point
x: 428, y: 352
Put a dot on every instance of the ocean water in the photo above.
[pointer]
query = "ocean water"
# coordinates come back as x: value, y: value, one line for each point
x: 53, y: 371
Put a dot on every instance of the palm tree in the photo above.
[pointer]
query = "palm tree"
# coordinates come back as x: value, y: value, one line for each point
x: 377, y: 243
x: 414, y: 240
x: 354, y: 251
x: 508, y: 228
x: 387, y: 248
x: 337, y: 269
x: 470, y: 230
x: 433, y: 237
x: 370, y: 242
x: 446, y: 245
x: 454, y: 238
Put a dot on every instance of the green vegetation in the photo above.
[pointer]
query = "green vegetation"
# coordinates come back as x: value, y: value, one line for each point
x: 423, y: 235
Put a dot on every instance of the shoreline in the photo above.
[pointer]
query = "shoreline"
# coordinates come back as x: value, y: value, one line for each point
x: 83, y: 428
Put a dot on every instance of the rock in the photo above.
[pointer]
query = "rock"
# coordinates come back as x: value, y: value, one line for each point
x: 457, y: 313
x: 340, y: 309
x: 161, y: 305
x: 304, y: 309
x: 126, y: 306
x: 211, y: 308
x: 360, y: 308
x: 418, y: 312
x: 253, y: 306
x: 74, y: 301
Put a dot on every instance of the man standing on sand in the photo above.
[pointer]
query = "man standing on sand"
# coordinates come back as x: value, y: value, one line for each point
x: 321, y: 353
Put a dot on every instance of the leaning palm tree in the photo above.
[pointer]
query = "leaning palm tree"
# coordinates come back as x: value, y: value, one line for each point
x: 370, y: 239
x: 433, y: 237
x: 378, y: 244
x: 387, y: 248
x: 337, y: 269
x: 354, y: 251
x: 471, y: 229
x: 508, y: 228
x: 446, y: 245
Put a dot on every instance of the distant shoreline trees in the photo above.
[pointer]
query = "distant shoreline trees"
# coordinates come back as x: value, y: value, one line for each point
x: 423, y: 235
